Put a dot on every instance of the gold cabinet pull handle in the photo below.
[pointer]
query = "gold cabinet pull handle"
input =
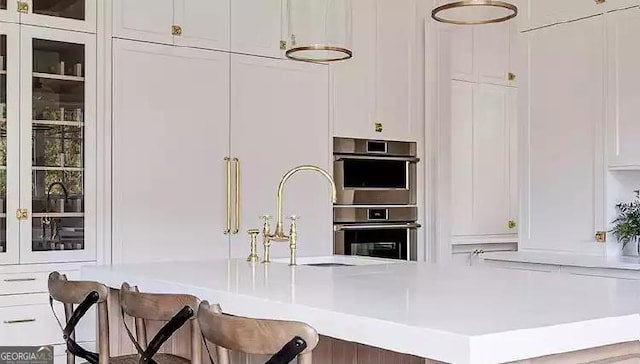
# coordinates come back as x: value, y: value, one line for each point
x: 228, y: 162
x: 20, y: 280
x: 237, y: 163
x: 20, y: 321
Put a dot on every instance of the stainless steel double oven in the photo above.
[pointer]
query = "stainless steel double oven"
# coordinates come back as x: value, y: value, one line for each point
x: 376, y: 213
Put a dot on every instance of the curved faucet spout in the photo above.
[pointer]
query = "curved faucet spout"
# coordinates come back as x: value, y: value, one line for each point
x: 279, y: 226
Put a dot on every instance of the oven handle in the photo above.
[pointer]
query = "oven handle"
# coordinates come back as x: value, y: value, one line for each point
x: 338, y: 158
x: 412, y: 225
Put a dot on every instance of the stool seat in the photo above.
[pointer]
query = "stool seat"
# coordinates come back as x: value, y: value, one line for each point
x: 160, y: 358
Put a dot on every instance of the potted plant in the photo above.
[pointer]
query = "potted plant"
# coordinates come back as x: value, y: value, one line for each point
x: 627, y: 226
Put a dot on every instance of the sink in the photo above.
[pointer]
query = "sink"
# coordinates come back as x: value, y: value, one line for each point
x: 338, y: 261
x: 329, y: 265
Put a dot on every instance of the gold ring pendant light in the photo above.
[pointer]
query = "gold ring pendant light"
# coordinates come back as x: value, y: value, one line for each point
x: 475, y: 12
x: 319, y: 30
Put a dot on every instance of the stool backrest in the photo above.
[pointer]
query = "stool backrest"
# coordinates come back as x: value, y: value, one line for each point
x: 71, y: 293
x: 252, y: 336
x: 159, y: 307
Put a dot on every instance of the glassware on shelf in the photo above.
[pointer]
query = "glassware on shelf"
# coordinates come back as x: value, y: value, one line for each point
x: 70, y: 9
x: 58, y: 141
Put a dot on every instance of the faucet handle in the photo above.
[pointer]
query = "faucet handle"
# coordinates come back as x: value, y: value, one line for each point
x: 294, y: 218
x: 266, y: 217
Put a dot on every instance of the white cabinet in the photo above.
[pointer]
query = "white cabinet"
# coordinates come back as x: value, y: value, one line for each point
x: 483, y: 123
x: 623, y: 125
x: 48, y: 145
x: 354, y: 93
x: 58, y: 145
x: 256, y: 27
x: 148, y: 20
x: 9, y: 143
x: 539, y: 13
x: 281, y: 129
x: 205, y: 23
x: 372, y: 93
x: 170, y: 138
x: 484, y: 53
x: 77, y: 15
x: 563, y: 148
x: 192, y: 23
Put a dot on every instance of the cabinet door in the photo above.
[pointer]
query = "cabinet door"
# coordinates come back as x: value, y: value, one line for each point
x: 204, y: 23
x: 538, y: 13
x: 147, y: 20
x: 9, y: 142
x: 624, y: 95
x: 461, y: 158
x: 353, y: 84
x: 283, y: 128
x: 491, y: 152
x: 9, y: 11
x: 462, y: 54
x: 563, y: 114
x: 481, y: 122
x: 492, y: 45
x: 77, y: 15
x: 256, y: 27
x: 58, y: 145
x: 169, y: 145
x: 394, y: 68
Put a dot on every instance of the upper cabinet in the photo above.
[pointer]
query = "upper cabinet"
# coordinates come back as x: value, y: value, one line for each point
x: 192, y: 23
x: 623, y: 126
x: 484, y: 53
x: 77, y: 15
x: 257, y: 27
x: 563, y: 160
x: 372, y: 92
x: 539, y: 13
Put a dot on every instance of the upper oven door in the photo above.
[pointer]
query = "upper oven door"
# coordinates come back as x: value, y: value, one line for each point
x: 370, y: 180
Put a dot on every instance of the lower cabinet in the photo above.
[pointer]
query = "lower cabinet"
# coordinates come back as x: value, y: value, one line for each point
x: 483, y: 159
x: 25, y: 314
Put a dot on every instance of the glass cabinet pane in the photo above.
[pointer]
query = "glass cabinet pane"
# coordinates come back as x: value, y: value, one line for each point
x: 71, y: 9
x: 58, y: 145
x: 3, y: 142
x: 3, y: 4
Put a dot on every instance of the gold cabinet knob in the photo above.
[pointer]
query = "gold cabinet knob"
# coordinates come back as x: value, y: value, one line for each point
x: 601, y: 236
x: 378, y: 127
x: 511, y: 76
x: 511, y: 224
x: 176, y: 30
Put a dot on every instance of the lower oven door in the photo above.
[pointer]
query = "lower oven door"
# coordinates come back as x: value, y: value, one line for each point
x: 392, y: 241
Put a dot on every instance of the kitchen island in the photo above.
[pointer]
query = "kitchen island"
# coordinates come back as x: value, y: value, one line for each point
x: 417, y: 310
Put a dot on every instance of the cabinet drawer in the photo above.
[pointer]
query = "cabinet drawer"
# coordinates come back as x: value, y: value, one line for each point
x: 30, y: 325
x: 19, y: 283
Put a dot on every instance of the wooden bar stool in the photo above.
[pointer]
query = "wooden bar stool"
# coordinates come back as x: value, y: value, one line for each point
x: 175, y: 308
x: 252, y: 336
x: 80, y: 293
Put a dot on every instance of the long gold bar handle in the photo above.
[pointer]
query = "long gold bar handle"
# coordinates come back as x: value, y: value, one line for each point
x: 228, y: 229
x: 237, y: 163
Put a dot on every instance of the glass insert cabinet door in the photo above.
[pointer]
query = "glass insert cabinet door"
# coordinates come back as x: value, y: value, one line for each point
x: 66, y: 14
x: 58, y: 145
x: 9, y: 142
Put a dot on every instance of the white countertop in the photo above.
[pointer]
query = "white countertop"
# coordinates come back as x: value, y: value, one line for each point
x: 448, y: 313
x: 574, y: 260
